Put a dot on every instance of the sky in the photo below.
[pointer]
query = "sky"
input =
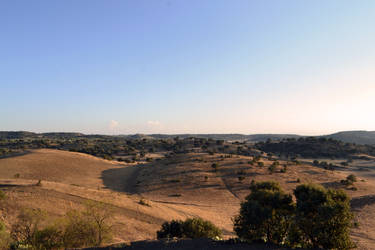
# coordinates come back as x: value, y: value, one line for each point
x: 187, y: 66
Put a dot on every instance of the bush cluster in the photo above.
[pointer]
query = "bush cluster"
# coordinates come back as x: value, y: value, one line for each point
x: 90, y: 227
x: 320, y: 218
x: 190, y: 228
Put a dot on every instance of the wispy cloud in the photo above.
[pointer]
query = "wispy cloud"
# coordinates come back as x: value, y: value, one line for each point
x: 113, y: 124
x: 154, y: 123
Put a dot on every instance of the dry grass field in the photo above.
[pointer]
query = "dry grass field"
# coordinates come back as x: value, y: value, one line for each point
x: 175, y: 188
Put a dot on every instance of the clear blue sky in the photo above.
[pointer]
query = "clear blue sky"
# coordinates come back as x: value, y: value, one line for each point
x: 187, y: 66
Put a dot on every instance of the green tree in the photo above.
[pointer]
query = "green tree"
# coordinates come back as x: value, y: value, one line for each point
x: 266, y: 214
x: 324, y: 217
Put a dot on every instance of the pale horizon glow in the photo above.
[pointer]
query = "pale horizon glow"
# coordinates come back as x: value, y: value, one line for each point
x: 178, y: 67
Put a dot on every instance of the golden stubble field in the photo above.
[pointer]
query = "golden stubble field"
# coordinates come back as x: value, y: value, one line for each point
x: 176, y: 188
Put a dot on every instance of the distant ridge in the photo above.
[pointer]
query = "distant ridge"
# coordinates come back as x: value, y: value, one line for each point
x: 357, y: 137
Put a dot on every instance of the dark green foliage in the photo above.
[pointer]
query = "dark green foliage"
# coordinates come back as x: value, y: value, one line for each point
x: 190, y: 228
x: 284, y: 169
x: 266, y: 214
x: 173, y: 229
x: 324, y: 217
x: 272, y: 168
x: 311, y: 147
x: 215, y: 166
x: 2, y: 195
x: 352, y: 178
x: 320, y: 219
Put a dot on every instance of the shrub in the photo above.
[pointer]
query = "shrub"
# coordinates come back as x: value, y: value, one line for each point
x: 351, y: 178
x: 50, y: 237
x: 215, y: 166
x: 79, y: 230
x: 266, y: 214
x: 143, y: 202
x: 26, y: 227
x: 284, y: 169
x: 4, y: 237
x: 199, y: 228
x: 173, y: 229
x: 190, y: 228
x: 272, y: 168
x: 2, y: 195
x: 90, y: 227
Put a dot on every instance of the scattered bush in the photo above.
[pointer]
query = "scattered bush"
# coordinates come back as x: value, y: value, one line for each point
x: 350, y: 179
x: 241, y: 178
x: 215, y: 166
x: 143, y: 202
x: 284, y: 169
x: 272, y: 168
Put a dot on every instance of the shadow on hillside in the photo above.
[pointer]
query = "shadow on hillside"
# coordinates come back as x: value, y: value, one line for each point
x: 15, y: 154
x: 362, y: 201
x: 122, y: 179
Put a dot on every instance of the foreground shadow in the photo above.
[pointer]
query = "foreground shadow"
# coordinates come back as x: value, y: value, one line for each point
x: 192, y: 244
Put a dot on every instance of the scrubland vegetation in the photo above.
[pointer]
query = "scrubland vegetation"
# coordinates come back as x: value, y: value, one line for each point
x: 202, y: 183
x: 34, y: 229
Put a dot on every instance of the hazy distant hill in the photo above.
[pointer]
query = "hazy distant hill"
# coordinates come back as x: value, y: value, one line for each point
x: 16, y: 134
x: 358, y: 137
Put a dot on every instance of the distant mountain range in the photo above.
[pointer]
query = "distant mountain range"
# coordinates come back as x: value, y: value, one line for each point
x: 358, y: 137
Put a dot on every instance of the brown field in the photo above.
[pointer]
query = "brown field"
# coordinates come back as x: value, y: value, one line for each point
x: 175, y: 188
